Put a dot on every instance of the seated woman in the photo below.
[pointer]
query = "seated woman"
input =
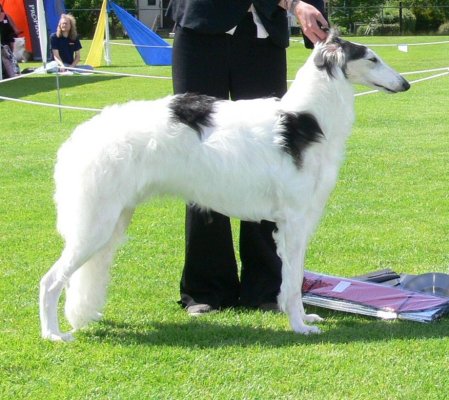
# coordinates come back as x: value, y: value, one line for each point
x: 65, y: 45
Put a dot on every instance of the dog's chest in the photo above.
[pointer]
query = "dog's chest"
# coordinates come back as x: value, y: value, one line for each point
x: 321, y: 166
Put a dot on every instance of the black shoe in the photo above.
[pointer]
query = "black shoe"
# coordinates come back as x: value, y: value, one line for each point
x: 28, y: 71
x: 269, y: 307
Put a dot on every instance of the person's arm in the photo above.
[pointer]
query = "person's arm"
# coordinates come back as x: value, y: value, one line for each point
x: 57, y: 57
x: 310, y: 19
x: 76, y: 59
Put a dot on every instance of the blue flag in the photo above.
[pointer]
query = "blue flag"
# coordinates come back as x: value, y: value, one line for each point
x: 152, y: 48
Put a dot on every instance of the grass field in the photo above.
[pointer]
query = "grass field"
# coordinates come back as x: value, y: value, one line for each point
x: 390, y: 209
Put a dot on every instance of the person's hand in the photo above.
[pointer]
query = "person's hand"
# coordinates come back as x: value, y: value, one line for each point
x: 311, y: 21
x: 61, y: 66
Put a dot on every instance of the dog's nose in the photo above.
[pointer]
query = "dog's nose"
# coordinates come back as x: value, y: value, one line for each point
x: 405, y: 86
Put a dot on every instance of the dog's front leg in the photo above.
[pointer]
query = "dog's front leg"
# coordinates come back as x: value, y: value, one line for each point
x: 291, y: 246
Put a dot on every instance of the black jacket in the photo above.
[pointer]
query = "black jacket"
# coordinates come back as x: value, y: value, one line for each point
x: 219, y: 16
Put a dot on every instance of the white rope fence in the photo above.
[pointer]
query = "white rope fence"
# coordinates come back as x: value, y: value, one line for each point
x: 37, y: 103
x: 119, y: 74
x: 82, y: 71
x: 100, y: 72
x: 415, y: 81
x: 425, y: 71
x: 406, y: 44
x: 388, y: 44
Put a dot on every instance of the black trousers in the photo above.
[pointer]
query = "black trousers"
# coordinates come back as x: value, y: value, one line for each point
x: 237, y: 66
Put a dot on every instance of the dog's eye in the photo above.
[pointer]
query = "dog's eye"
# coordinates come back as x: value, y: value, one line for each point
x: 373, y: 59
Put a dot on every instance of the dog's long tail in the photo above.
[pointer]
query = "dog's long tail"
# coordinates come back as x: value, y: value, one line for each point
x: 87, y: 287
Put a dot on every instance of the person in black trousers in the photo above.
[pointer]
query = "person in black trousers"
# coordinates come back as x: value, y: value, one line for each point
x: 233, y: 49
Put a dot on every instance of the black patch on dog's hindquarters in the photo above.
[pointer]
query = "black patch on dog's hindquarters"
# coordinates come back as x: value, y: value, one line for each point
x: 193, y: 110
x: 299, y: 131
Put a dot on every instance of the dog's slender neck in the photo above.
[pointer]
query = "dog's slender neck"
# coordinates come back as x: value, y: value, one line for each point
x: 329, y: 98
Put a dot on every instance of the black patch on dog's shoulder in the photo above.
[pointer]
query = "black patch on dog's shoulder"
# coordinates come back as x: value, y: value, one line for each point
x: 193, y: 110
x: 299, y: 131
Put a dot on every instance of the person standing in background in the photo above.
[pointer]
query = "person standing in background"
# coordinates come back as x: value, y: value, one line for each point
x: 233, y: 49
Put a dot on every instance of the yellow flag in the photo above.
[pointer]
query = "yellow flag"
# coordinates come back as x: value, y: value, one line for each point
x: 96, y: 49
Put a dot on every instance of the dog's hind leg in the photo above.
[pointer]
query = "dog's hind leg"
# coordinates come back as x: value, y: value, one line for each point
x: 87, y: 287
x: 51, y: 286
x: 99, y: 247
x: 291, y: 244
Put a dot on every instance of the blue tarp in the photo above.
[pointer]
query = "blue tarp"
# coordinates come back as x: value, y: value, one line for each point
x: 152, y: 48
x: 53, y: 10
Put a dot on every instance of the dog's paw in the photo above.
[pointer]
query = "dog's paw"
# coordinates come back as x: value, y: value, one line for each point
x: 313, y: 318
x: 308, y: 330
x: 299, y: 326
x: 59, y: 337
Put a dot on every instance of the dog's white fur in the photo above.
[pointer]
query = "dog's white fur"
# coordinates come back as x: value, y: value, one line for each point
x: 19, y: 49
x: 239, y: 167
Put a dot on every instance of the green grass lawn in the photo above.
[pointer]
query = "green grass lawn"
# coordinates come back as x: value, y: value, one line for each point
x: 390, y: 209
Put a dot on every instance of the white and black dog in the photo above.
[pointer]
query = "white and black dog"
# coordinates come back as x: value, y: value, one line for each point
x: 272, y: 159
x: 19, y: 49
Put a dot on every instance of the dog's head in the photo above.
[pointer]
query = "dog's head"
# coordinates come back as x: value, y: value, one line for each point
x: 20, y: 42
x: 358, y: 64
x: 19, y: 49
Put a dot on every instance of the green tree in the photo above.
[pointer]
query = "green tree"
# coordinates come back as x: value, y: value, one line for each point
x: 430, y: 14
x: 88, y: 11
x: 348, y: 13
x: 424, y: 16
x: 395, y: 13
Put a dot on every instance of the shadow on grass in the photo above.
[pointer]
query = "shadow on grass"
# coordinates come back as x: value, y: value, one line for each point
x: 203, y: 333
x: 34, y: 84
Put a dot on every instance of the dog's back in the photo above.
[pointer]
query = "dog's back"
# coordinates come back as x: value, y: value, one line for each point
x: 140, y: 149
